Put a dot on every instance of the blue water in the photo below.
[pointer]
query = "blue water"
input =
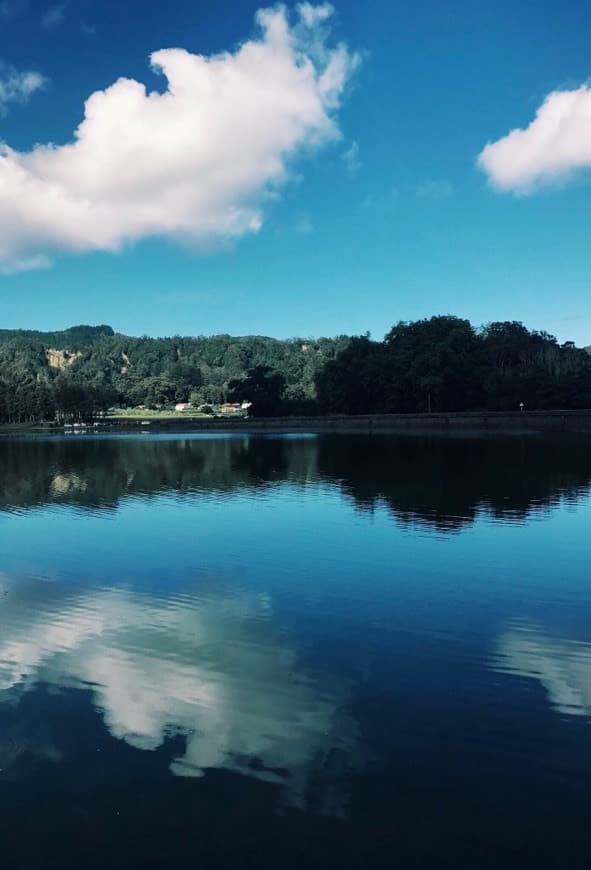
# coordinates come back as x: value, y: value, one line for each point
x: 303, y: 651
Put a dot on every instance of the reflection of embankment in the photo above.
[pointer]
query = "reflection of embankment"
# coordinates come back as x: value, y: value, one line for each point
x: 209, y: 667
x: 562, y: 666
x: 441, y: 483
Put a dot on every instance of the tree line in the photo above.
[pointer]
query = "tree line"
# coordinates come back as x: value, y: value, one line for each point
x: 445, y: 364
x: 438, y: 364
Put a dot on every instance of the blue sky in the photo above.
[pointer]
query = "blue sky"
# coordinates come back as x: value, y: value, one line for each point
x: 366, y: 207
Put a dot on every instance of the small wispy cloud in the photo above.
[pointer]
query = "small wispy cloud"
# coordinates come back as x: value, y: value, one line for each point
x: 304, y: 225
x: 187, y: 296
x: 54, y: 15
x: 435, y: 189
x: 88, y: 29
x: 351, y: 159
x: 17, y: 87
x: 312, y: 14
x: 12, y: 8
x: 26, y: 264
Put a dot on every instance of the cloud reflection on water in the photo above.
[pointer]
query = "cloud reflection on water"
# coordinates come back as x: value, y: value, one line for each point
x: 206, y: 665
x: 561, y: 665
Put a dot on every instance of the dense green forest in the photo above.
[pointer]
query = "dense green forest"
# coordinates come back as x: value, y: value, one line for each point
x: 86, y: 369
x: 439, y: 364
x: 445, y: 364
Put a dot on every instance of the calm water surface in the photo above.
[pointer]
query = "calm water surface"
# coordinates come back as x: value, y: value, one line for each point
x: 295, y: 651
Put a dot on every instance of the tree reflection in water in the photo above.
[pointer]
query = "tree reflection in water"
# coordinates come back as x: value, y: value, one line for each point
x: 442, y: 483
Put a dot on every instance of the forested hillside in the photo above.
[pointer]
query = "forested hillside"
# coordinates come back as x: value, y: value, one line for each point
x: 439, y: 364
x: 88, y: 368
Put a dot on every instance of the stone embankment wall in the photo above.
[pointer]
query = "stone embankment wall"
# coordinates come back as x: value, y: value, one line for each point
x: 477, y: 421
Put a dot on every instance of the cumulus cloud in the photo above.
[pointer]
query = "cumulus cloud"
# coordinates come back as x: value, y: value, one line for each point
x: 552, y: 148
x: 208, y: 666
x: 17, y: 87
x: 196, y: 163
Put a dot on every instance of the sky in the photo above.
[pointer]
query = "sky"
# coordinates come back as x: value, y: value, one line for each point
x: 294, y: 170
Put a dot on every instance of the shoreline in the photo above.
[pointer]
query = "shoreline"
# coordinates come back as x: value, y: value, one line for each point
x: 481, y: 422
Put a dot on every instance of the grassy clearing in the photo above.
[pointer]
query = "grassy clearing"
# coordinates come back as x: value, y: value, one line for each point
x: 149, y: 414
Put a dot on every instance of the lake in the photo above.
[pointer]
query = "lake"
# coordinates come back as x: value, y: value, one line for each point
x: 295, y: 651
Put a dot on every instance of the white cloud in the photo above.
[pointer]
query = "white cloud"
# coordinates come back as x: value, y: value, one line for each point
x: 54, y: 15
x: 435, y: 189
x: 195, y: 163
x: 208, y: 666
x: 17, y: 87
x: 555, y: 145
x: 351, y: 159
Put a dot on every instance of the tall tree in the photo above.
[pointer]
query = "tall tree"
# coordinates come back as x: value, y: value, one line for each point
x: 355, y: 382
x: 433, y: 365
x: 263, y: 387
